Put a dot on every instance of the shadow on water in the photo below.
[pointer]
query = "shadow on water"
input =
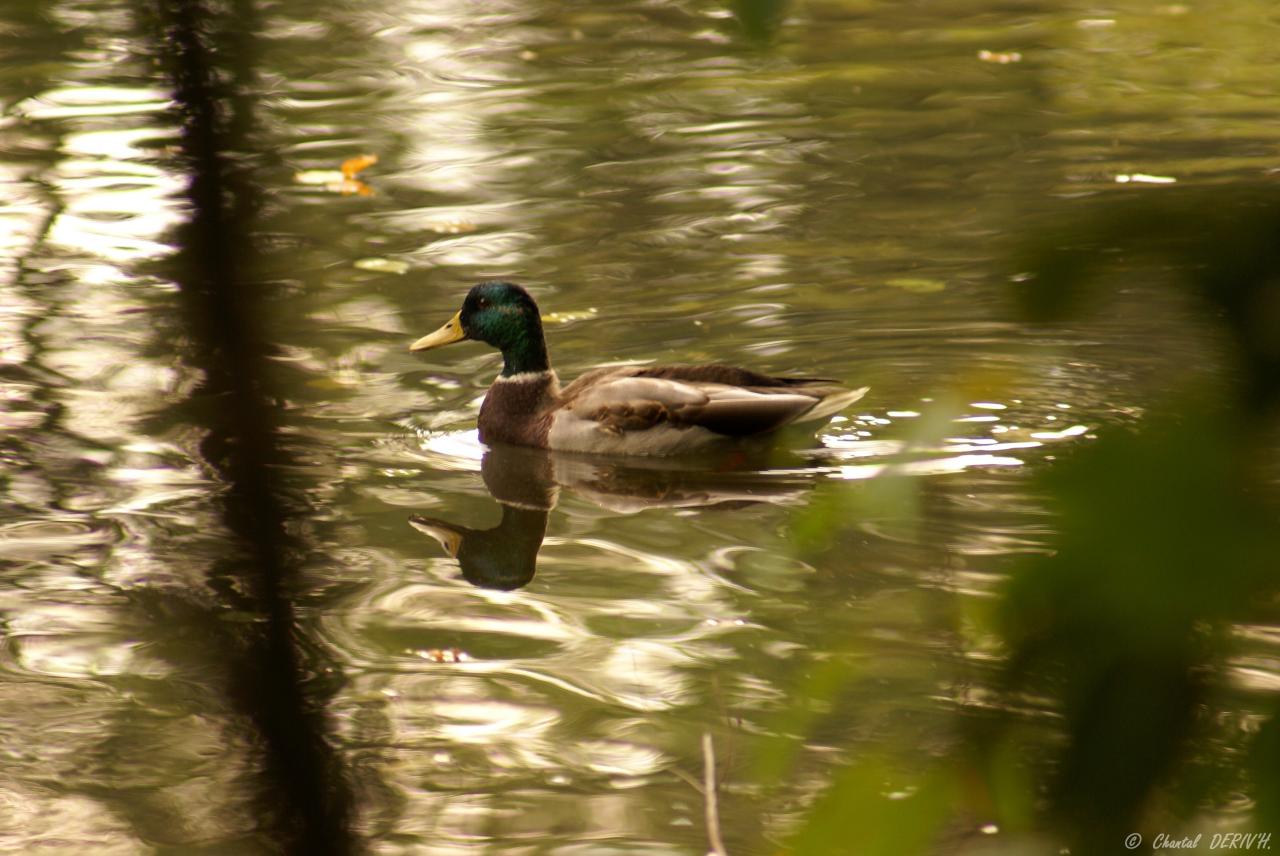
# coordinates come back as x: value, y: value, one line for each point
x: 527, y: 483
x: 208, y: 52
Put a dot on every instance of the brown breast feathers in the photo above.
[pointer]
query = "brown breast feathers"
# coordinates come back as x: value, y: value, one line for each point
x: 517, y: 411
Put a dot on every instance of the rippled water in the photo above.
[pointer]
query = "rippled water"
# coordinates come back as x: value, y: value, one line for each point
x: 839, y: 203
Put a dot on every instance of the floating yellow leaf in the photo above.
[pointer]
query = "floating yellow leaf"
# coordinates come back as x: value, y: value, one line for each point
x: 340, y: 180
x: 566, y: 317
x: 352, y: 166
x: 917, y: 284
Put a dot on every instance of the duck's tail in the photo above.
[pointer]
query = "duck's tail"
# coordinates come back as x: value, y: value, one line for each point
x: 832, y: 403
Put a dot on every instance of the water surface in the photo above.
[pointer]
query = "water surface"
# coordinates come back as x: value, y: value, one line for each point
x: 841, y: 202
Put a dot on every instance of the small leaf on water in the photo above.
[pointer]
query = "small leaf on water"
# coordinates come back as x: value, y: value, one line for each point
x: 334, y: 181
x: 352, y: 166
x: 566, y: 317
x: 919, y: 285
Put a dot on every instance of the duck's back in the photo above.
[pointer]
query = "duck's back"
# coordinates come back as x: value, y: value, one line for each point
x: 671, y: 410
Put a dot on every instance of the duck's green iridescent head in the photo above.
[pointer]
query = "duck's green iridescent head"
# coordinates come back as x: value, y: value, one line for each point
x: 501, y: 314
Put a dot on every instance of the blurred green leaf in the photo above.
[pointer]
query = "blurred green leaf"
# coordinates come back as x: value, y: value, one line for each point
x: 1167, y: 541
x: 866, y: 812
x: 760, y: 19
x: 1224, y: 243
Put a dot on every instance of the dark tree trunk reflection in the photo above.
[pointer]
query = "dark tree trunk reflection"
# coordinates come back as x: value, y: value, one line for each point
x: 208, y: 52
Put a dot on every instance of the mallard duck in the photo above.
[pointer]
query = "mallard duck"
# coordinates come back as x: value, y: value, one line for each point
x: 624, y: 410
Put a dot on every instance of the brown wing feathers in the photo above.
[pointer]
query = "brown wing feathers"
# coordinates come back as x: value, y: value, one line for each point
x: 723, y: 399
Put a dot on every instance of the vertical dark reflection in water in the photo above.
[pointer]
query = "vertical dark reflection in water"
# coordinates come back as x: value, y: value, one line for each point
x: 303, y: 789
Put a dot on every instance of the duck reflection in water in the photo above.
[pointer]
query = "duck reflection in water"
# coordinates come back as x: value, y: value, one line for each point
x: 503, y: 557
x: 527, y: 482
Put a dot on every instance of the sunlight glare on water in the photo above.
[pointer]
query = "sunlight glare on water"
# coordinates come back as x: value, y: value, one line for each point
x: 522, y: 653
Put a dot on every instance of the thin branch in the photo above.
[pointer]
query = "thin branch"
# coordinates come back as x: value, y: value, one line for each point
x: 710, y: 797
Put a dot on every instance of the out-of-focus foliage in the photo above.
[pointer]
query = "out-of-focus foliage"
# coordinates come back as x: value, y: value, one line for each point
x: 759, y: 19
x: 1166, y: 542
x: 1223, y: 245
x: 1166, y: 546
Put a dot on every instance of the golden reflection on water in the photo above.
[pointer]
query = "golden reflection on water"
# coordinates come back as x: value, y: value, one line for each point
x: 831, y: 207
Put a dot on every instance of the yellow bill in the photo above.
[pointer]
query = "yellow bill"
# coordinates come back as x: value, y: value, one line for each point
x: 450, y: 539
x: 448, y: 334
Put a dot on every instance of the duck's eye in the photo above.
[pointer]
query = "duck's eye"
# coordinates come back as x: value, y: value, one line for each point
x: 482, y: 303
